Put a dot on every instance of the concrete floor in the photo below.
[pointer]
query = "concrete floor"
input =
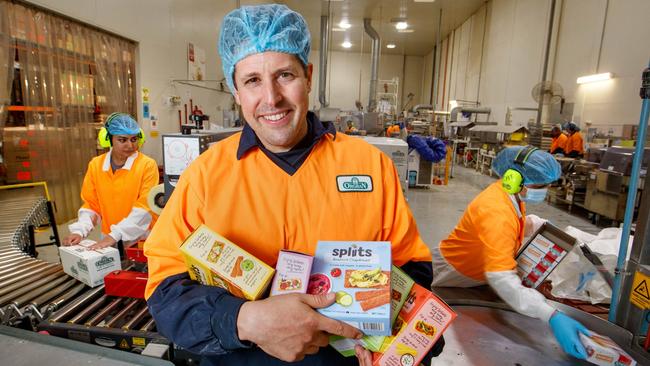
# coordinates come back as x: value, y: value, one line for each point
x: 436, y: 210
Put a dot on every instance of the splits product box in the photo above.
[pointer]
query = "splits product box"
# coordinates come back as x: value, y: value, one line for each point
x: 401, y: 285
x: 214, y: 260
x: 89, y: 266
x: 291, y: 273
x: 359, y: 273
x: 422, y: 320
x: 601, y: 350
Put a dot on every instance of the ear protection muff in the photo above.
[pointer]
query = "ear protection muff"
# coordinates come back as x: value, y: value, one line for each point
x: 104, y: 138
x: 512, y: 180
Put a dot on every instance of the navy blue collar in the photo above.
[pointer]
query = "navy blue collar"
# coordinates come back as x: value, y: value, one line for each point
x: 316, y: 130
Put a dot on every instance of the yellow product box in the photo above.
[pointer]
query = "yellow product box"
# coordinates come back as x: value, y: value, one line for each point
x: 214, y: 260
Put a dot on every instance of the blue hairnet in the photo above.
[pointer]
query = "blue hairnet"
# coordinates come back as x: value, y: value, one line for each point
x: 122, y: 124
x: 255, y: 29
x: 571, y: 126
x: 540, y: 168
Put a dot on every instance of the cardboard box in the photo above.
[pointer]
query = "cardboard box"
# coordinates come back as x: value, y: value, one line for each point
x: 401, y: 285
x: 214, y: 260
x: 359, y: 273
x: 601, y: 350
x: 89, y: 266
x: 542, y: 253
x: 422, y: 320
x: 291, y: 273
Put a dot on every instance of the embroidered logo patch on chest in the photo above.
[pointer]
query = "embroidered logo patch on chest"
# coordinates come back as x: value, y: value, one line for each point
x: 354, y: 183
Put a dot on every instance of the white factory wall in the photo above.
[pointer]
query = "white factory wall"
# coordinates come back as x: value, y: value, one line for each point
x: 513, y: 52
x: 625, y: 52
x: 348, y: 77
x: 428, y: 77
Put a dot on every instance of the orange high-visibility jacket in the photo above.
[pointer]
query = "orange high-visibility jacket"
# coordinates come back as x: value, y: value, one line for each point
x: 575, y: 143
x: 112, y: 195
x: 488, y: 235
x: 345, y: 190
x: 559, y: 142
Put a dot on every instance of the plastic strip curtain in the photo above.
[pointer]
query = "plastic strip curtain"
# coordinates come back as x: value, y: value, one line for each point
x: 65, y: 68
x: 6, y: 66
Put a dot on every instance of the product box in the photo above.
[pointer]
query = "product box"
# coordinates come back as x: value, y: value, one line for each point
x: 400, y: 284
x: 601, y: 350
x: 291, y: 273
x: 214, y: 260
x: 542, y: 253
x: 422, y: 320
x: 89, y: 266
x: 359, y: 273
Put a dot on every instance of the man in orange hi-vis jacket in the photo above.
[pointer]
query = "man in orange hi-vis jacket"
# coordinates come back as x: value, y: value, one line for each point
x: 286, y: 181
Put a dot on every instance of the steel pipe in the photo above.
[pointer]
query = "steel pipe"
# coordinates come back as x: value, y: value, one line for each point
x: 89, y: 310
x: 122, y: 314
x: 24, y: 289
x: 67, y: 310
x: 137, y: 318
x: 105, y: 312
x: 24, y: 279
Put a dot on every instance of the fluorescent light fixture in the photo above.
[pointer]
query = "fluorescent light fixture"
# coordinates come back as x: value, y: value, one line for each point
x: 391, y: 45
x: 337, y: 29
x: 405, y: 31
x: 424, y: 1
x: 594, y: 78
x: 346, y: 44
x: 401, y: 25
x: 344, y: 24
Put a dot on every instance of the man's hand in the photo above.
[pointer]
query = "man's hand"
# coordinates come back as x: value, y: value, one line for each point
x: 106, y: 242
x: 363, y: 355
x: 72, y: 239
x: 288, y: 328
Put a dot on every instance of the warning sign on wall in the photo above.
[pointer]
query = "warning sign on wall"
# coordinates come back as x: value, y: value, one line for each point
x: 640, y: 295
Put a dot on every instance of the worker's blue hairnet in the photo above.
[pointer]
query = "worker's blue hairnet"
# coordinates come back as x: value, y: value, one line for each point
x: 121, y: 124
x: 255, y: 29
x: 540, y: 168
x: 571, y: 126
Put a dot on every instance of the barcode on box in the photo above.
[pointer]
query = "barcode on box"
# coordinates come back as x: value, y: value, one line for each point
x: 372, y: 326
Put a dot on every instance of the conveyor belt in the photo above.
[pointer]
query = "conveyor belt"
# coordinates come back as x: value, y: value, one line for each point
x: 38, y: 295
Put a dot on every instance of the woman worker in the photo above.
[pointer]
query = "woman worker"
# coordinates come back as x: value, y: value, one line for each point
x: 116, y: 186
x: 483, y: 246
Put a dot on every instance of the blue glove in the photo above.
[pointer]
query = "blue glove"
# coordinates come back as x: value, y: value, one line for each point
x: 566, y: 331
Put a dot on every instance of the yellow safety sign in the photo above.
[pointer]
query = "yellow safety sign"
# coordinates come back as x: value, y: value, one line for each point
x: 640, y: 295
x: 124, y: 344
x: 138, y: 341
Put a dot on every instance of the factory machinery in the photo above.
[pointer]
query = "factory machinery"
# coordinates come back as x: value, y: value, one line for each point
x: 37, y: 295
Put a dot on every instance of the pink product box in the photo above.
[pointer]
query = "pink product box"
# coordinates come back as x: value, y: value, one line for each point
x: 291, y: 273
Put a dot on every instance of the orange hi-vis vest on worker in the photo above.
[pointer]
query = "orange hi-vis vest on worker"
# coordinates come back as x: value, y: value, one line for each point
x: 575, y: 143
x: 488, y: 235
x: 559, y: 142
x: 112, y: 195
x: 334, y: 195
